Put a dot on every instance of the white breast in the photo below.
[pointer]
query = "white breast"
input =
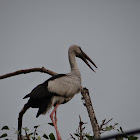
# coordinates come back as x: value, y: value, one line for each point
x: 66, y: 86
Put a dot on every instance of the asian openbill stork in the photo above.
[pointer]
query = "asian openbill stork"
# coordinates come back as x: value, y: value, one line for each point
x: 56, y: 90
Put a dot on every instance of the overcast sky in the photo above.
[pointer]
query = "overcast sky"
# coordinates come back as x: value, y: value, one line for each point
x: 38, y: 33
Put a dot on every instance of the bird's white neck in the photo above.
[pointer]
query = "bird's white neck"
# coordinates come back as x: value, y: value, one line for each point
x: 73, y: 65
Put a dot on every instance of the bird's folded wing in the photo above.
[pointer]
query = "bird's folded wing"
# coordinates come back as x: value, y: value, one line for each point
x: 41, y: 91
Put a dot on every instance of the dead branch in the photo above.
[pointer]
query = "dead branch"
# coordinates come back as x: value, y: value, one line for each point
x: 43, y: 70
x: 91, y: 113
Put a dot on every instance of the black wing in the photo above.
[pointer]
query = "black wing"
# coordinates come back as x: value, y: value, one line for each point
x: 41, y: 90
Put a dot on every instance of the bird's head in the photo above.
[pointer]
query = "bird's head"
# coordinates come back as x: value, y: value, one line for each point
x: 79, y: 53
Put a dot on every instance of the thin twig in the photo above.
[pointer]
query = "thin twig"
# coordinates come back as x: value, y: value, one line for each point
x: 108, y: 121
x: 72, y: 137
x: 104, y: 123
x: 80, y: 127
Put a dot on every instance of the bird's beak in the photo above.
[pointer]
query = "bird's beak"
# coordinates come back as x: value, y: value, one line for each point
x: 84, y: 57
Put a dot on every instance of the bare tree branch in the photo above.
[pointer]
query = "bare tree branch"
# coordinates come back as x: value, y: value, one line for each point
x: 91, y: 113
x: 43, y: 70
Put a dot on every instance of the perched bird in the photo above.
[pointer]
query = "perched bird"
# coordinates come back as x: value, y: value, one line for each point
x: 56, y: 90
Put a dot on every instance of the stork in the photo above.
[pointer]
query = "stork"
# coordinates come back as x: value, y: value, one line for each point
x: 56, y: 90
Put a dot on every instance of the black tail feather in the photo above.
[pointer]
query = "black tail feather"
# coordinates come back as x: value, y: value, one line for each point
x: 27, y: 96
x: 44, y: 106
x: 38, y: 113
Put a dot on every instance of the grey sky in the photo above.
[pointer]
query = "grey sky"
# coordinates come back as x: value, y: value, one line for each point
x: 38, y: 33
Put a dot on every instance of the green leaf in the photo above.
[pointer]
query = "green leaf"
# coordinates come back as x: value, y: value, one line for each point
x: 121, y: 129
x: 38, y: 138
x: 36, y: 133
x: 108, y: 128
x: 89, y: 137
x: 30, y: 134
x: 51, y: 136
x: 5, y: 128
x: 118, y: 130
x: 51, y: 124
x: 76, y: 134
x: 3, y: 135
x: 132, y: 138
x: 17, y: 132
x: 36, y: 126
x: 45, y: 136
x: 119, y: 138
x: 26, y: 129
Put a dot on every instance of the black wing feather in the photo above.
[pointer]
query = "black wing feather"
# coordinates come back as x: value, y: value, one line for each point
x: 41, y: 90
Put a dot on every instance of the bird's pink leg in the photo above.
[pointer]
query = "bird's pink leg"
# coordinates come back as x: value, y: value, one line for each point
x: 55, y: 118
x: 55, y: 122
